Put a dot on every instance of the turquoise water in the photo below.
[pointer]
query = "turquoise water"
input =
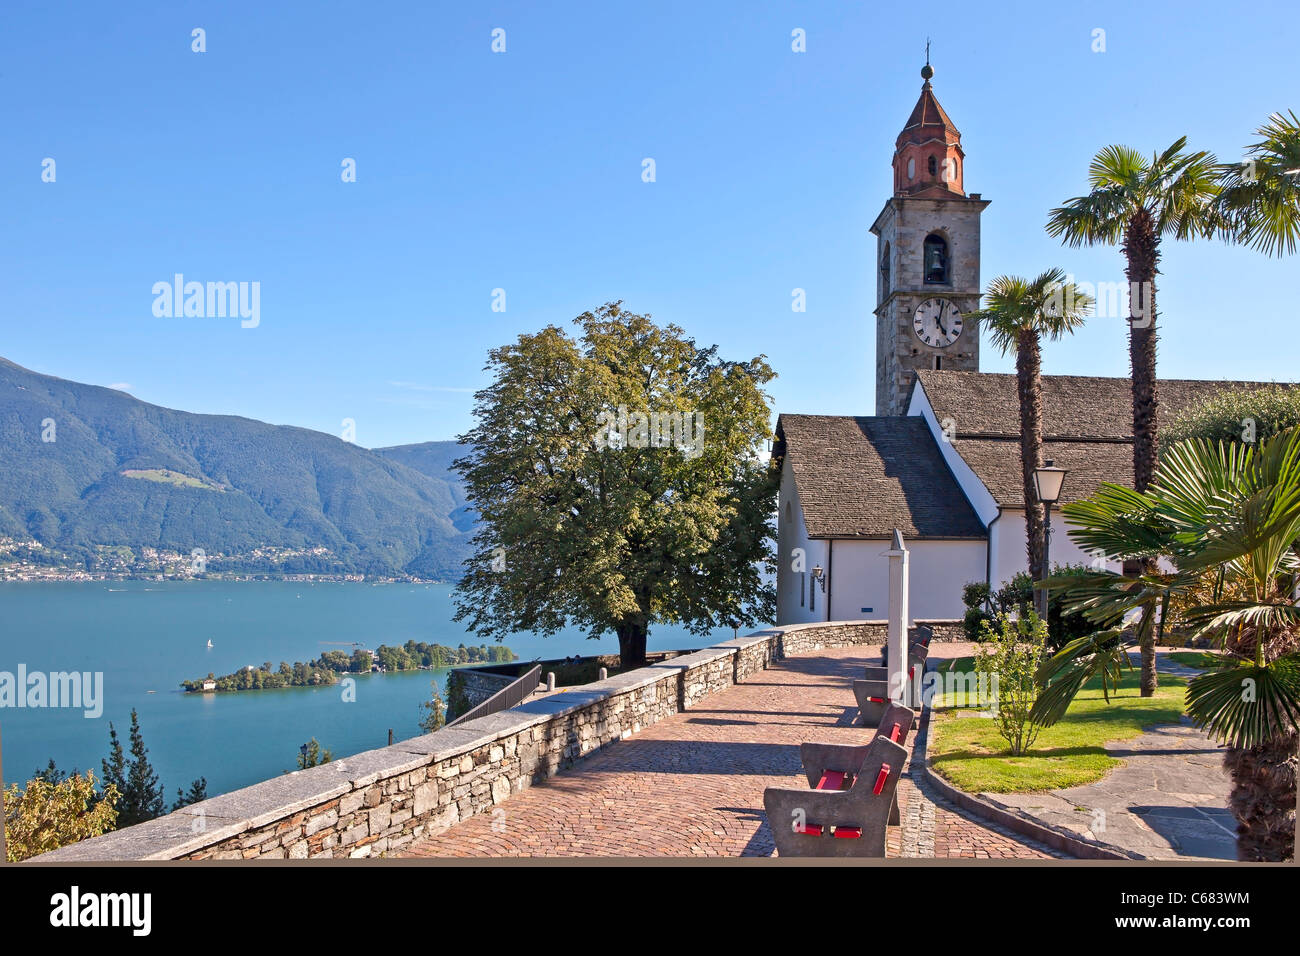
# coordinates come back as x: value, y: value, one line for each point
x: 146, y: 637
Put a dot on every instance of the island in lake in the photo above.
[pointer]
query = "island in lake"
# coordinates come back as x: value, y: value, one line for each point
x: 413, y: 655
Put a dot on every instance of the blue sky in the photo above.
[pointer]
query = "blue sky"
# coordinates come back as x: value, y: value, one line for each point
x: 522, y: 171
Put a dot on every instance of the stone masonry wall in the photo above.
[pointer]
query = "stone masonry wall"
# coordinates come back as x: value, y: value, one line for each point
x: 474, y: 685
x: 381, y: 800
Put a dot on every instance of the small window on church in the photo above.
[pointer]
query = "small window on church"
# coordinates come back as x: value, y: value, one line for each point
x: 911, y: 168
x: 884, y: 269
x: 803, y: 583
x: 938, y: 363
x: 934, y: 166
x: 936, y: 259
x: 789, y: 513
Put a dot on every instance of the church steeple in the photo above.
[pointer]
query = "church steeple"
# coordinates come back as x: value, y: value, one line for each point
x: 928, y: 158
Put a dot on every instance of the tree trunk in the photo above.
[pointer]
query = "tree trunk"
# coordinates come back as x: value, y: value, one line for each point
x: 1029, y: 369
x: 1142, y: 250
x: 1264, y: 799
x: 631, y: 645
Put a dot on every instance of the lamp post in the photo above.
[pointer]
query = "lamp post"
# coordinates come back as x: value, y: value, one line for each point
x: 1047, y: 485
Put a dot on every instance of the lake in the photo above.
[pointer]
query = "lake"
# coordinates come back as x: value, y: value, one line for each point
x: 146, y: 637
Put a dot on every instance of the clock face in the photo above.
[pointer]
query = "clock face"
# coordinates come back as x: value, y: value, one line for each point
x: 937, y: 323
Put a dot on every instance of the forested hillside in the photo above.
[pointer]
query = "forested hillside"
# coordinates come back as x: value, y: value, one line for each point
x: 100, y: 478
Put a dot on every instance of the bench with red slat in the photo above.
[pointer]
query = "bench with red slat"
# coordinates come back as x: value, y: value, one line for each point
x: 832, y: 780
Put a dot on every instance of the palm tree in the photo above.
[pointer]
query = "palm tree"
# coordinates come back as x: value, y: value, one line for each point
x: 1259, y: 200
x: 1017, y: 314
x: 1136, y: 203
x: 1230, y: 511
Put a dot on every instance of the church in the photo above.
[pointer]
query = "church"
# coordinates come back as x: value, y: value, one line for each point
x: 940, y: 460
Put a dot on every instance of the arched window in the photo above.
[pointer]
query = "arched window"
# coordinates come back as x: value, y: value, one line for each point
x: 884, y: 269
x: 934, y: 166
x: 911, y: 167
x: 935, y: 267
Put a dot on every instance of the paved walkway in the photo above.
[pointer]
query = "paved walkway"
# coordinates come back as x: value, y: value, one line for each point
x: 692, y: 785
x: 1169, y: 800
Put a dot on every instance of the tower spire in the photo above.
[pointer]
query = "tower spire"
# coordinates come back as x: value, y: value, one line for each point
x: 928, y: 157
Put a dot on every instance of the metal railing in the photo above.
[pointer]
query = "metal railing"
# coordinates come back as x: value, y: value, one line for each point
x: 512, y: 695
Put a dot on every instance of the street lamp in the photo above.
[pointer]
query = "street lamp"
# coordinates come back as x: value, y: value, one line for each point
x: 1047, y: 485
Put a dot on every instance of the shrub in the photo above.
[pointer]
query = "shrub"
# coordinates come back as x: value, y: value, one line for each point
x: 1008, y: 661
x: 1235, y: 416
x: 1017, y: 597
x: 52, y: 813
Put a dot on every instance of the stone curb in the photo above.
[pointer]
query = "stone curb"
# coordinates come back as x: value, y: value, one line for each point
x: 1042, y: 833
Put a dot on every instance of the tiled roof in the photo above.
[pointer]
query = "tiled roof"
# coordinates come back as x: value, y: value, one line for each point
x: 1087, y: 425
x: 926, y: 114
x: 1074, y: 406
x: 864, y: 477
x: 997, y: 463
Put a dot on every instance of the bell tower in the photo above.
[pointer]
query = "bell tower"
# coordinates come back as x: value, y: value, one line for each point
x: 927, y: 257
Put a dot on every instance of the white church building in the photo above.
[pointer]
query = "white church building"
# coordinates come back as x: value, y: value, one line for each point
x: 940, y: 460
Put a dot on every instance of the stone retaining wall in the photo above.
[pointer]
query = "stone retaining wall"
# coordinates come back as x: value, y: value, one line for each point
x: 472, y: 686
x: 381, y: 800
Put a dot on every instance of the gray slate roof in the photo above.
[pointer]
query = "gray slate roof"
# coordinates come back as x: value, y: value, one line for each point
x: 1074, y: 406
x: 1087, y: 425
x: 861, y: 477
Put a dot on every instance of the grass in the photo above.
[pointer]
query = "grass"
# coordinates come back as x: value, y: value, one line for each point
x: 1199, y: 659
x: 969, y: 753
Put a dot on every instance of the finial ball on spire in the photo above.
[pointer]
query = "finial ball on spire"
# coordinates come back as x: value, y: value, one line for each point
x: 927, y: 71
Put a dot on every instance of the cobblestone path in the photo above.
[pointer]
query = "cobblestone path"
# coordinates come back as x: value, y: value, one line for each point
x: 692, y: 785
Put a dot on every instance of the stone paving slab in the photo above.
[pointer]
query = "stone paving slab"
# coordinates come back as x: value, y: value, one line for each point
x: 692, y: 784
x: 1169, y: 801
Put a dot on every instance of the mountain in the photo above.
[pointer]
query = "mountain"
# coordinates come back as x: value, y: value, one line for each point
x: 88, y: 472
x: 434, y: 458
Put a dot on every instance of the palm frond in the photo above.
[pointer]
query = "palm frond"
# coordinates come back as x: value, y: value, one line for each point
x: 1100, y: 654
x: 1248, y: 705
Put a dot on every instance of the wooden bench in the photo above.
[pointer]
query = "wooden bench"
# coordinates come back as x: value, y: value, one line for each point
x: 847, y: 811
x: 872, y: 693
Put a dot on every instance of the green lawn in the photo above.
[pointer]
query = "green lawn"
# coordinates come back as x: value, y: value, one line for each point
x: 968, y: 752
x: 1199, y: 659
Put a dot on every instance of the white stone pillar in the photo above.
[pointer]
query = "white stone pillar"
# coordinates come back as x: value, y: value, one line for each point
x: 899, y: 618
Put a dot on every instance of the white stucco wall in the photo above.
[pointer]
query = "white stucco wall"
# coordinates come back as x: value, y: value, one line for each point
x: 858, y: 573
x: 859, y: 581
x: 1008, y: 544
x: 793, y: 604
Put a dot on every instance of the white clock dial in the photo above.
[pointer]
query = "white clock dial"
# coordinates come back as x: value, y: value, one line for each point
x: 937, y: 323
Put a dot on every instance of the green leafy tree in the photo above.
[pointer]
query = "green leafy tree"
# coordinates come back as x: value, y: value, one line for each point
x: 1234, y: 510
x: 314, y: 755
x: 595, y: 513
x: 55, y: 810
x: 1259, y: 198
x: 1017, y: 315
x: 1238, y: 415
x: 433, y: 712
